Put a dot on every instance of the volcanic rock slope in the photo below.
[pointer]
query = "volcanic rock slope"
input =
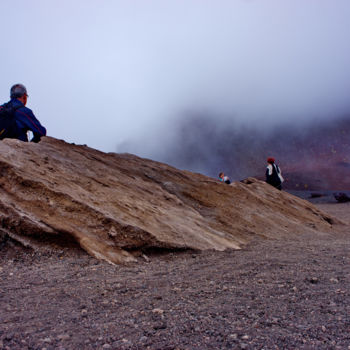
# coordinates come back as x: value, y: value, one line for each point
x: 116, y: 206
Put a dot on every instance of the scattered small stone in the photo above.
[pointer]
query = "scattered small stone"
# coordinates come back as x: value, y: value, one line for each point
x: 63, y: 336
x: 160, y: 326
x: 245, y: 337
x: 313, y: 280
x: 334, y: 280
x: 340, y: 291
x: 158, y: 311
x: 323, y: 328
x: 47, y: 340
x: 106, y: 346
x: 146, y: 257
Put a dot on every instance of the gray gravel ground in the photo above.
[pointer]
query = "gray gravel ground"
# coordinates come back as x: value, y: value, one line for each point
x: 291, y: 294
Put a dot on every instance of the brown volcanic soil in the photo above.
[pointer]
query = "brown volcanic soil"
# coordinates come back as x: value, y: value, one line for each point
x: 273, y: 294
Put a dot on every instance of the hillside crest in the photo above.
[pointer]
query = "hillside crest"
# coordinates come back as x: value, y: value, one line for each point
x: 116, y: 206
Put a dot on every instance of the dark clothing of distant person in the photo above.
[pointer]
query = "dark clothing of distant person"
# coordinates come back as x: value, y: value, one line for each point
x: 273, y: 174
x: 227, y: 180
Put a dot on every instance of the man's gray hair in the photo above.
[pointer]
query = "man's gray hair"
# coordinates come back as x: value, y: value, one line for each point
x: 18, y: 90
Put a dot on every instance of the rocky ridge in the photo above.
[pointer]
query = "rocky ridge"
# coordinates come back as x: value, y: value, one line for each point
x: 116, y: 206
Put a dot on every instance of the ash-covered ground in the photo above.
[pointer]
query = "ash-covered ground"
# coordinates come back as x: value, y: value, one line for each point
x: 274, y: 294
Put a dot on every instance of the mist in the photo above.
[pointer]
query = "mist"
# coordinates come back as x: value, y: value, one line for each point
x: 128, y: 76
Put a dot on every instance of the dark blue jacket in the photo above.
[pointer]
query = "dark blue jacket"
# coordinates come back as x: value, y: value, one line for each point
x: 26, y: 120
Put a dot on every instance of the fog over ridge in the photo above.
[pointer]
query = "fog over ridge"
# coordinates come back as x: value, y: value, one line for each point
x: 124, y: 76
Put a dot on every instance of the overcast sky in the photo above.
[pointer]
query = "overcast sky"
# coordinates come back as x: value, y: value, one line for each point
x: 105, y: 72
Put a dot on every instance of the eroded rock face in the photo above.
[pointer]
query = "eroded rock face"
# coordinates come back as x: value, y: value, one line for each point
x: 55, y: 193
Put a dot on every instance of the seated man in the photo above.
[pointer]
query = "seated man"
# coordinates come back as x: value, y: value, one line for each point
x: 24, y: 119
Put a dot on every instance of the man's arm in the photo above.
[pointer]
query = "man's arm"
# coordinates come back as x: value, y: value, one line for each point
x: 28, y: 121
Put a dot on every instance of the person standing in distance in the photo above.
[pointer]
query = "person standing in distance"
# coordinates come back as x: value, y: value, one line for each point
x: 273, y: 174
x: 24, y: 118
